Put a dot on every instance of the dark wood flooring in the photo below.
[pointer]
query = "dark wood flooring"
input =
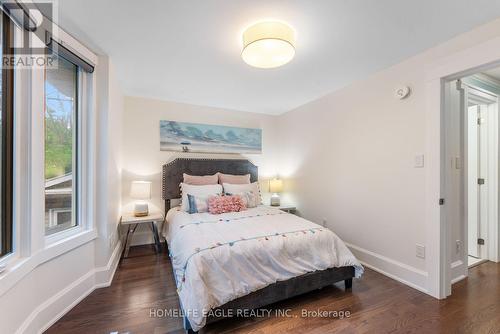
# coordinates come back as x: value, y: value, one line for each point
x: 377, y: 304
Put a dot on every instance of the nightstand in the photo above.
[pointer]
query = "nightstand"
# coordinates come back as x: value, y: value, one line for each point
x: 286, y: 208
x: 132, y: 222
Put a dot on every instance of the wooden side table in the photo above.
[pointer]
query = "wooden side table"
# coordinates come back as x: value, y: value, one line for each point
x: 286, y: 208
x: 132, y: 222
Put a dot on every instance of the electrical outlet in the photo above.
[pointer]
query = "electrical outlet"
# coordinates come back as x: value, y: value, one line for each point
x: 420, y: 251
x: 458, y: 246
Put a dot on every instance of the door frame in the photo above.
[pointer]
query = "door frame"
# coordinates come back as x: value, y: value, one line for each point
x: 438, y: 228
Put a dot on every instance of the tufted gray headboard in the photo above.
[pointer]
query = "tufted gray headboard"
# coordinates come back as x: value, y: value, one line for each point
x: 173, y: 170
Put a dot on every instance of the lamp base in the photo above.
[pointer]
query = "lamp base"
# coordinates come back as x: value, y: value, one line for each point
x: 275, y: 200
x: 141, y: 209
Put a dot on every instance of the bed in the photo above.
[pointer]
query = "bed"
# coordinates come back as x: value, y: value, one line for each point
x: 244, y: 260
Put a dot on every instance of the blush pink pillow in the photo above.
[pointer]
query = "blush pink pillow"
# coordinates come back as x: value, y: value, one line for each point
x: 200, y: 180
x: 234, y: 179
x: 222, y: 204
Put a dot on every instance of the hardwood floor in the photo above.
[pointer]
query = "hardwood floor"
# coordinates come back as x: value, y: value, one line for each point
x: 377, y: 304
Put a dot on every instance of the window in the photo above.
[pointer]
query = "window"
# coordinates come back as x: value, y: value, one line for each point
x: 6, y: 138
x: 61, y: 146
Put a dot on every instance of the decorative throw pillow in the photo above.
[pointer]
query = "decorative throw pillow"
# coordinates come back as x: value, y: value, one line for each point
x: 198, y: 191
x: 223, y: 204
x: 249, y: 198
x: 234, y: 179
x: 201, y: 180
x: 197, y: 204
x: 250, y: 193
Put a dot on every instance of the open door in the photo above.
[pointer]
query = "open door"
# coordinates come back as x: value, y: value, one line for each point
x: 473, y: 177
x: 482, y: 175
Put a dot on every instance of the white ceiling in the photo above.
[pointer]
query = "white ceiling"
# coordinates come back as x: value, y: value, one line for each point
x: 189, y: 51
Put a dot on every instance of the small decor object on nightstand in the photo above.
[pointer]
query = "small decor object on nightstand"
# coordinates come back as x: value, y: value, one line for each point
x: 141, y: 190
x: 275, y: 187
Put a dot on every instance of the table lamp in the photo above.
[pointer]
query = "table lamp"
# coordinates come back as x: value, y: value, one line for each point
x: 141, y: 190
x: 275, y: 187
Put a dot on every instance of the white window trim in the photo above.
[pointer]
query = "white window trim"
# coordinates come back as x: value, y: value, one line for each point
x: 84, y: 177
x: 20, y: 210
x: 31, y: 246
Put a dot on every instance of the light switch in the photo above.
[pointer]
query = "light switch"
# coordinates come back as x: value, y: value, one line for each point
x: 420, y: 251
x: 419, y: 161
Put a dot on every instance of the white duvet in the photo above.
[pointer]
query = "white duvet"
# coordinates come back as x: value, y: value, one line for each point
x: 218, y: 258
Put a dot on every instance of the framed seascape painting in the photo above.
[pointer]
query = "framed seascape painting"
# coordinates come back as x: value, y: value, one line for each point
x: 205, y: 138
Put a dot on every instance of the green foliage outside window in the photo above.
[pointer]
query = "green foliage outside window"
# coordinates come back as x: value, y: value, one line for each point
x: 58, y: 144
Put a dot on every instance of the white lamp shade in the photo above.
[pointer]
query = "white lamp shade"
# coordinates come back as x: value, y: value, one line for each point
x: 268, y: 44
x: 140, y: 190
x: 276, y: 185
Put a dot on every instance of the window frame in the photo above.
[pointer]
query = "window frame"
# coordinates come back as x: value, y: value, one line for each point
x: 7, y: 201
x: 84, y: 161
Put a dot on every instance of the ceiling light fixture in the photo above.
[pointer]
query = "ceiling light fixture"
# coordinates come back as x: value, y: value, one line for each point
x: 268, y: 44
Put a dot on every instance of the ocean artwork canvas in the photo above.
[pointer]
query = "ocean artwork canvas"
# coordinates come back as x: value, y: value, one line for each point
x: 206, y: 138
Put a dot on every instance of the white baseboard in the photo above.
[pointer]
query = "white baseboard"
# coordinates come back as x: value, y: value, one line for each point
x: 104, y: 275
x: 408, y: 275
x: 458, y: 279
x: 46, y: 314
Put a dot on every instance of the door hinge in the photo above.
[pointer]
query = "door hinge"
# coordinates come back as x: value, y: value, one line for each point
x: 441, y: 201
x: 480, y: 181
x: 480, y: 121
x: 480, y: 241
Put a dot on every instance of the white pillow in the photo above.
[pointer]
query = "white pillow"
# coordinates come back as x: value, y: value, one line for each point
x: 199, y: 191
x: 245, y: 190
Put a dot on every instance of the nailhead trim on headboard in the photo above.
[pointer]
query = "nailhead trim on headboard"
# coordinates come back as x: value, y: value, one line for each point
x: 172, y: 174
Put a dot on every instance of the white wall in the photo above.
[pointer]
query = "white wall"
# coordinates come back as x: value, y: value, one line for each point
x: 349, y: 159
x: 108, y: 205
x: 142, y: 158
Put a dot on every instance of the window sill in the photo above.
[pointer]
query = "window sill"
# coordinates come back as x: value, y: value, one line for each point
x: 63, y: 235
x: 18, y: 268
x: 6, y: 261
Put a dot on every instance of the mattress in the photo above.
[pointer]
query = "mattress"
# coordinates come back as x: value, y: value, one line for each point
x: 218, y: 258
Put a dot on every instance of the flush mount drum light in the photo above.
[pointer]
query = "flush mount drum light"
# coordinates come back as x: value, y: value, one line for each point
x: 268, y: 44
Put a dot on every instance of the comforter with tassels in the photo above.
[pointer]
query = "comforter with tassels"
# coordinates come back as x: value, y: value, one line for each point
x: 218, y: 258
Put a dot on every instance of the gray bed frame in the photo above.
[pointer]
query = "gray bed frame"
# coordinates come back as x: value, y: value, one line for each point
x: 281, y: 290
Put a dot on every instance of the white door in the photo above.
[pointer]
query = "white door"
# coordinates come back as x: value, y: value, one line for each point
x: 477, y: 182
x: 472, y: 177
x: 483, y: 189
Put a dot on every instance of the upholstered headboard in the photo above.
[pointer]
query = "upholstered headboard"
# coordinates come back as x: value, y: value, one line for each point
x: 173, y: 170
